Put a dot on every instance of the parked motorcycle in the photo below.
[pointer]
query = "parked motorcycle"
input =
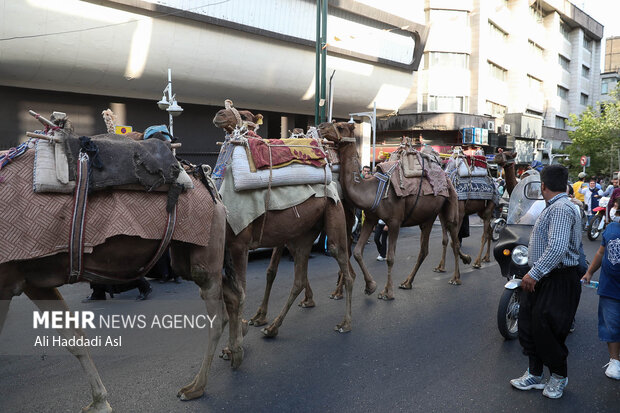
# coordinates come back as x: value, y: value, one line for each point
x: 598, y: 222
x: 511, y: 250
x: 499, y: 223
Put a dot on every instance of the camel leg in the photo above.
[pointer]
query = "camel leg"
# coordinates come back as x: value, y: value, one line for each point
x: 444, y: 243
x: 49, y: 299
x: 425, y: 233
x: 260, y: 318
x: 235, y: 265
x: 358, y: 253
x: 349, y: 213
x: 464, y: 257
x: 338, y: 244
x: 486, y: 235
x: 301, y: 252
x: 211, y: 293
x: 388, y: 291
x: 456, y: 248
x: 489, y: 231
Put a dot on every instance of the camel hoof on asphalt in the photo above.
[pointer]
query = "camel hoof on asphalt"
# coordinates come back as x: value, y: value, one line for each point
x: 455, y: 282
x: 237, y: 358
x: 225, y: 354
x: 370, y: 288
x: 341, y: 328
x: 405, y: 286
x: 335, y: 296
x: 466, y: 260
x: 100, y: 407
x: 486, y: 260
x: 437, y: 269
x: 257, y: 322
x: 270, y: 331
x: 384, y: 297
x: 189, y: 395
x: 307, y: 304
x: 476, y: 265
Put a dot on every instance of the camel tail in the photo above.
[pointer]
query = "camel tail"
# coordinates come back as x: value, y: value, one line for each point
x: 230, y: 275
x: 451, y: 208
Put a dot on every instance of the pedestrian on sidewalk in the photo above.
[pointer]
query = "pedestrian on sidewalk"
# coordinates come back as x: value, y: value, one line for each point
x: 381, y: 233
x: 551, y: 288
x: 607, y: 258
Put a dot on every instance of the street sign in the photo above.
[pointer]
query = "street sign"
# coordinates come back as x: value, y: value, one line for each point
x: 583, y: 161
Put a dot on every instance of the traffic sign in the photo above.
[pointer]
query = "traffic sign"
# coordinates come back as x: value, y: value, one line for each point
x: 123, y: 130
x: 583, y: 161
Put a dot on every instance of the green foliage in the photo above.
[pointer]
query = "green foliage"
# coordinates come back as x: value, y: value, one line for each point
x: 597, y: 135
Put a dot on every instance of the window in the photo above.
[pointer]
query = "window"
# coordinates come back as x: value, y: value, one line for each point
x: 565, y: 30
x: 536, y: 49
x: 560, y: 122
x: 564, y: 62
x: 497, y: 72
x: 587, y: 43
x: 585, y: 71
x: 444, y: 103
x: 496, y: 110
x: 534, y: 84
x: 533, y: 112
x: 450, y: 60
x: 583, y: 99
x: 496, y: 33
x: 562, y: 92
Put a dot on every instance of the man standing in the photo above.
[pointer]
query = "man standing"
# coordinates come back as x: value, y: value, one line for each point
x: 577, y: 186
x: 551, y: 288
x: 611, y: 187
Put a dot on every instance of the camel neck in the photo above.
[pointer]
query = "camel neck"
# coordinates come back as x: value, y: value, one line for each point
x: 511, y: 179
x: 359, y: 191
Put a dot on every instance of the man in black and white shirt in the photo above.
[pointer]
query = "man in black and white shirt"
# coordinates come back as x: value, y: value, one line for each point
x: 551, y: 289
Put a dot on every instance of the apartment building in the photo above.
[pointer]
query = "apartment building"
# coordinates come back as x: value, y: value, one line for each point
x: 514, y: 69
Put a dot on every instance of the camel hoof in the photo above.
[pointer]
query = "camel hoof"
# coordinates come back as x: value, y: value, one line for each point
x: 225, y: 354
x: 336, y: 296
x: 405, y: 286
x: 270, y: 331
x: 236, y: 358
x: 342, y: 328
x: 439, y: 269
x: 466, y: 259
x: 101, y: 407
x: 307, y: 304
x: 476, y: 265
x: 486, y: 259
x: 385, y: 297
x: 185, y: 395
x: 258, y: 321
x: 455, y: 282
x: 370, y: 288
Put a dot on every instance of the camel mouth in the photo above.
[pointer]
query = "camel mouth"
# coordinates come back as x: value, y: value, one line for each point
x: 219, y: 121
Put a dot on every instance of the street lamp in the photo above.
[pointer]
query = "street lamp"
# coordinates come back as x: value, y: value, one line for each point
x: 169, y: 103
x: 373, y: 121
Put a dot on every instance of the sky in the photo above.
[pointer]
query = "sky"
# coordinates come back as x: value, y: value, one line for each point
x: 606, y: 12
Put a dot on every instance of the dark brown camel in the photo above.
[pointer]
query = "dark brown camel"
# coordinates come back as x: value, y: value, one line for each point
x: 286, y: 228
x: 39, y: 278
x: 507, y: 161
x: 395, y: 212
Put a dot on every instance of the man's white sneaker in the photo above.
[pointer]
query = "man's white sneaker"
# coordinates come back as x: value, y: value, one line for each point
x: 380, y: 258
x: 528, y: 381
x: 555, y: 387
x: 613, y: 369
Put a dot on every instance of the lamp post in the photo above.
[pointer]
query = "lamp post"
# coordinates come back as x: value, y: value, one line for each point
x: 373, y: 121
x: 169, y: 103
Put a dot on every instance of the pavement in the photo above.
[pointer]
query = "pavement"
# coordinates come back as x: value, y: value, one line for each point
x: 435, y: 348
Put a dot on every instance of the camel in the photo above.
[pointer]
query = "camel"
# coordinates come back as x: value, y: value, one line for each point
x: 121, y: 257
x: 484, y: 209
x: 279, y: 228
x: 396, y: 212
x: 507, y: 161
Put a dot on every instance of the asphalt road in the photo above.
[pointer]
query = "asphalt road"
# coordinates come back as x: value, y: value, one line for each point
x: 435, y: 348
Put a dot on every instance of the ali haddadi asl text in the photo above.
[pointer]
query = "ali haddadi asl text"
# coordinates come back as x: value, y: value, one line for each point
x: 97, y: 341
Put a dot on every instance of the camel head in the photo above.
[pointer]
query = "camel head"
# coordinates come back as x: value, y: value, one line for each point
x: 335, y: 131
x: 503, y: 158
x: 229, y: 118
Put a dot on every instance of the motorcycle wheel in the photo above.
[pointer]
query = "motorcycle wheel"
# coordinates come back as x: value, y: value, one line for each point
x: 593, y: 231
x: 508, y: 314
x: 497, y: 229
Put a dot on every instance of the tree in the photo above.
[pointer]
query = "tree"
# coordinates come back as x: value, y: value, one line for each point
x: 597, y: 135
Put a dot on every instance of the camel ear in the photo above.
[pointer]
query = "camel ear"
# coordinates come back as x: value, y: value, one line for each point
x: 258, y: 119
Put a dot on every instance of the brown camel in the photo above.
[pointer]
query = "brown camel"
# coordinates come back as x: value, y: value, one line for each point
x: 279, y: 228
x: 484, y: 209
x: 507, y: 161
x: 122, y: 256
x: 396, y: 212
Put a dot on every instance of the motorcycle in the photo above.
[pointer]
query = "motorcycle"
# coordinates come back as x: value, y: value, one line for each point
x: 511, y: 250
x: 598, y: 222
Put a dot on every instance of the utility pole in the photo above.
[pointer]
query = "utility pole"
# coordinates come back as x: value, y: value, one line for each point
x: 320, y: 90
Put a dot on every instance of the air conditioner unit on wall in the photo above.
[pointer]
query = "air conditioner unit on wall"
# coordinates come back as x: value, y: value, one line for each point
x: 490, y: 125
x: 506, y: 129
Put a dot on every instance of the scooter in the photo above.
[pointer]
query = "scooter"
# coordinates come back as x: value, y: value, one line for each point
x: 598, y: 222
x: 499, y: 223
x: 511, y: 250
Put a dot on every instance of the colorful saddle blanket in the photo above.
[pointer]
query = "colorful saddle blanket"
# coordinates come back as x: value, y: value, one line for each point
x: 277, y: 153
x: 475, y: 187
